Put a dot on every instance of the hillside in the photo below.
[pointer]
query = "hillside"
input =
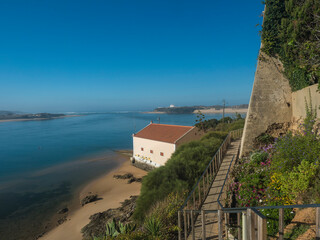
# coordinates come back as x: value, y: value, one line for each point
x: 9, y: 115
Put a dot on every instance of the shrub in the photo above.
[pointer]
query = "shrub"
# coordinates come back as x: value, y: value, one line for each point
x: 165, y: 212
x: 153, y: 226
x: 251, y: 178
x: 291, y: 150
x: 296, y: 182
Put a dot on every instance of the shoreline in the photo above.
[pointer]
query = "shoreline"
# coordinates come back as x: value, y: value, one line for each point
x: 111, y: 192
x: 208, y: 111
x: 226, y: 110
x: 36, y: 119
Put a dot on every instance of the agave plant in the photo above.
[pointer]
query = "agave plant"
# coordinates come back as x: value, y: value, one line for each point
x: 153, y: 226
x: 113, y: 229
x: 126, y: 228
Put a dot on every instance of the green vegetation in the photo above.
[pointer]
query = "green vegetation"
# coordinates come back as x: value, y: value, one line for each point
x: 176, y: 110
x: 226, y: 124
x: 296, y: 232
x: 291, y: 30
x: 113, y: 230
x: 282, y: 173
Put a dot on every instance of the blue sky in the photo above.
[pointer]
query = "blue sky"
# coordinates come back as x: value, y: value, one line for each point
x: 126, y: 55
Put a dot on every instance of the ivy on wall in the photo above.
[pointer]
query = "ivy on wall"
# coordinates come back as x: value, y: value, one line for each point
x: 291, y: 31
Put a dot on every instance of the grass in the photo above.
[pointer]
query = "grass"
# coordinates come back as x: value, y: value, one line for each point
x: 296, y: 231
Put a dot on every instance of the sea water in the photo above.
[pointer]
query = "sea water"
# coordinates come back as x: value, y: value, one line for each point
x: 43, y: 162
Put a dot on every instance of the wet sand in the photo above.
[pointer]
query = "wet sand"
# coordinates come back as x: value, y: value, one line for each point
x: 112, y: 191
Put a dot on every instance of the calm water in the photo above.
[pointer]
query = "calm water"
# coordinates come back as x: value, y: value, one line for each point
x: 43, y: 162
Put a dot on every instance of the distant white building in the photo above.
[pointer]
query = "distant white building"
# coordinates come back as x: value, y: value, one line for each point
x: 155, y: 143
x: 172, y: 106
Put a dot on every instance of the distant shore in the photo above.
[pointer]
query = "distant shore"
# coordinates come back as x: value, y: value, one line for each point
x: 111, y: 192
x: 226, y: 110
x: 36, y: 119
x: 209, y: 111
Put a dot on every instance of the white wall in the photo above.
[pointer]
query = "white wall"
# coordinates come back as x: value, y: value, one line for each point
x: 157, y: 147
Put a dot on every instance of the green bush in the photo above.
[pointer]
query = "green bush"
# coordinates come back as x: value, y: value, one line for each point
x: 296, y: 182
x: 164, y: 213
x: 291, y: 30
x: 226, y: 124
x: 291, y: 150
x: 251, y: 180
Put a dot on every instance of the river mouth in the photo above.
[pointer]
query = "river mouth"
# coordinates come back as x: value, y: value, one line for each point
x: 29, y: 207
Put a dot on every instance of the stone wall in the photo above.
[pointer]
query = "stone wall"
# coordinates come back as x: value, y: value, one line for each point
x: 299, y: 102
x: 270, y: 102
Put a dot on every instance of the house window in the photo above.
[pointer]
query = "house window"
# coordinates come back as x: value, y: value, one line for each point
x: 141, y: 149
x: 161, y: 154
x: 151, y: 151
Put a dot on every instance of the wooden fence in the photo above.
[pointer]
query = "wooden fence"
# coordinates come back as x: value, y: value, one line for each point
x: 190, y: 210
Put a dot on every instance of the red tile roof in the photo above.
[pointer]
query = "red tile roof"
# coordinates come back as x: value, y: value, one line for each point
x: 163, y: 132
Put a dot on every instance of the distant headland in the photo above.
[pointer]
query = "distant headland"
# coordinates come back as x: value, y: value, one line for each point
x: 10, y: 116
x: 242, y: 108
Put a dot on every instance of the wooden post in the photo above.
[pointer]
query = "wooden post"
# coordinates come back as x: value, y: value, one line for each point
x: 318, y: 223
x: 199, y: 190
x: 203, y: 217
x: 192, y: 225
x: 179, y: 225
x: 255, y: 226
x: 244, y: 226
x: 185, y: 224
x: 250, y: 225
x: 220, y: 230
x: 212, y: 163
x: 215, y: 164
x: 194, y: 199
x: 188, y: 216
x: 262, y: 228
x: 204, y: 188
x: 226, y: 225
x: 239, y: 226
x: 210, y: 171
x: 281, y: 223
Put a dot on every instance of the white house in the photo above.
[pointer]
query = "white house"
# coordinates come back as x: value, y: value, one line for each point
x: 155, y: 143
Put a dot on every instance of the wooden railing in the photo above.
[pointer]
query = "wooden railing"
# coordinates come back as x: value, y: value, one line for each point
x: 250, y: 222
x: 193, y: 203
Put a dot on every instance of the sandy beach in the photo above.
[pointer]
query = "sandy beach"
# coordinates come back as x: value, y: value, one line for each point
x: 226, y: 110
x: 111, y: 190
x: 36, y: 119
x: 211, y: 110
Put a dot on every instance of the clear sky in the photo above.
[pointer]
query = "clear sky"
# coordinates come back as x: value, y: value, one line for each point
x: 126, y: 54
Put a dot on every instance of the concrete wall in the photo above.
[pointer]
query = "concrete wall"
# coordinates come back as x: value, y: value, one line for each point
x: 299, y: 104
x: 156, y: 146
x: 270, y: 101
x: 193, y: 134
